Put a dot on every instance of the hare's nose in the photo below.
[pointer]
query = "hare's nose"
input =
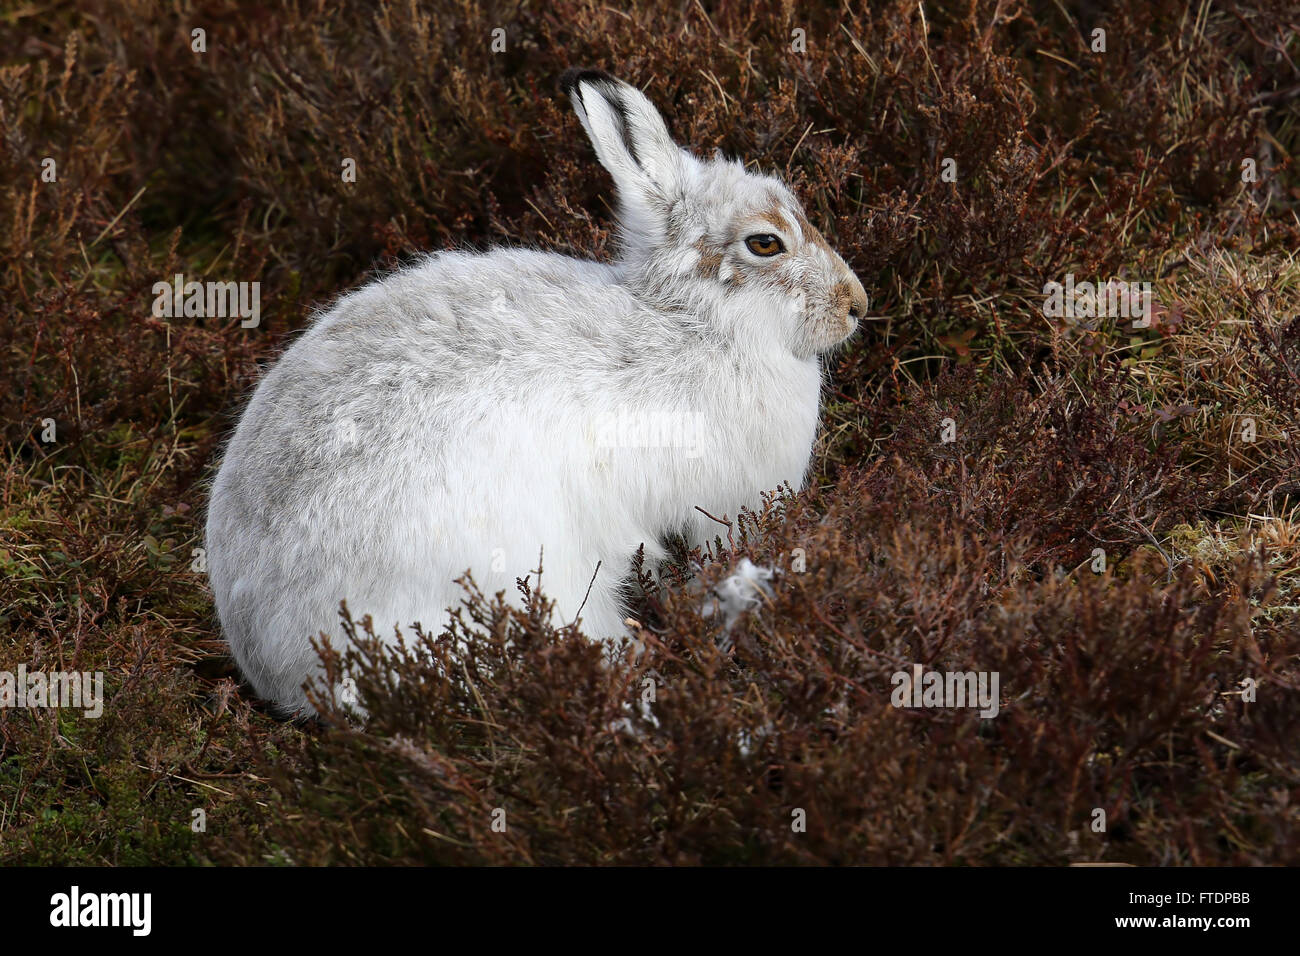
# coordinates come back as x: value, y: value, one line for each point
x: 858, y: 304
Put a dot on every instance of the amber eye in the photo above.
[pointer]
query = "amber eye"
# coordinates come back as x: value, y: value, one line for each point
x: 764, y: 244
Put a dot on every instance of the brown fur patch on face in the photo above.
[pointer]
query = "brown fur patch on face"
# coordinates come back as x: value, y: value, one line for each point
x: 774, y: 214
x: 841, y: 300
x: 811, y: 234
x: 735, y: 277
x: 710, y: 263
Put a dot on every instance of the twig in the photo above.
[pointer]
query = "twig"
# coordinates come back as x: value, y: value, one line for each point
x: 585, y: 596
x: 726, y: 524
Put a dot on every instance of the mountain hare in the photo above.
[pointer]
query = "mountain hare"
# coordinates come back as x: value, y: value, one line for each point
x: 475, y: 411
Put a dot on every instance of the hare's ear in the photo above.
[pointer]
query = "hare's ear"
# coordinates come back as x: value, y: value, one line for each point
x: 627, y: 131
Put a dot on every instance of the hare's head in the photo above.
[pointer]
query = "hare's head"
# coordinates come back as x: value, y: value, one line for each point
x: 706, y: 236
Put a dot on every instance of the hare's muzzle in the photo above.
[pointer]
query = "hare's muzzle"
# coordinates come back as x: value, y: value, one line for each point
x: 849, y: 303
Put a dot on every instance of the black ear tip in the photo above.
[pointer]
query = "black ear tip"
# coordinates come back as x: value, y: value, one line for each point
x: 574, y: 75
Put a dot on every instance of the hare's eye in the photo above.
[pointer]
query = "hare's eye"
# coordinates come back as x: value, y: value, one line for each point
x: 764, y: 244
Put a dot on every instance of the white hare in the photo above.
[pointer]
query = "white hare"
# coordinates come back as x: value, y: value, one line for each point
x: 477, y: 410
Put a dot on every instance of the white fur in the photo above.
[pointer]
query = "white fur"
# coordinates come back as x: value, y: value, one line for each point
x: 739, y: 592
x: 454, y: 416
